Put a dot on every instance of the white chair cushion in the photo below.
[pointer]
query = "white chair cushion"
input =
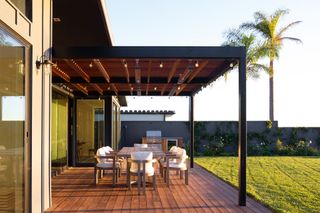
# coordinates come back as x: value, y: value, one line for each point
x: 140, y: 145
x: 107, y: 149
x: 180, y: 162
x: 101, y: 152
x: 107, y: 165
x: 173, y: 148
x: 142, y: 156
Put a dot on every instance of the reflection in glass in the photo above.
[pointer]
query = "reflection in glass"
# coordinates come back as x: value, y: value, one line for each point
x: 90, y: 129
x: 12, y: 84
x: 24, y: 6
x: 59, y: 130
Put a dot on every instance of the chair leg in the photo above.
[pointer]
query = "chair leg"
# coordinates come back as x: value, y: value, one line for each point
x: 144, y: 183
x: 161, y: 170
x: 186, y: 177
x: 164, y: 174
x: 139, y: 182
x: 114, y: 176
x: 154, y: 182
x: 129, y: 184
x: 181, y: 174
x: 95, y: 175
x: 167, y: 176
x: 144, y: 178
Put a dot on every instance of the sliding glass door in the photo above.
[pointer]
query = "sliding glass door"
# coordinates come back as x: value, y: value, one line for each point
x: 59, y: 130
x: 14, y: 144
x: 90, y: 129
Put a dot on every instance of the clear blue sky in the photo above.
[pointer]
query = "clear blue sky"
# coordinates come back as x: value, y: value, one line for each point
x: 202, y: 23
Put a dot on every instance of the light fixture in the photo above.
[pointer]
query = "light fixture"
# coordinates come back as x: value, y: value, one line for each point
x: 161, y: 65
x: 179, y: 87
x: 196, y: 64
x: 90, y: 65
x: 155, y: 88
x: 44, y: 60
x: 108, y: 88
x: 231, y: 65
x: 125, y: 64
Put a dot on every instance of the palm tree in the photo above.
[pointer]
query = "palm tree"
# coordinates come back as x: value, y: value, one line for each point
x: 273, y: 35
x: 254, y: 51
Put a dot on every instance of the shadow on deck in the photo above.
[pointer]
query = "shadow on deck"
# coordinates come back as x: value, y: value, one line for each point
x: 74, y: 191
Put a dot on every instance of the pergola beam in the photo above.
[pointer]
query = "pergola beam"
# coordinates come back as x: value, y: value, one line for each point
x: 101, y: 69
x: 121, y: 80
x: 126, y: 70
x: 97, y: 88
x: 148, y: 76
x: 76, y: 67
x: 81, y: 88
x: 59, y: 72
x: 221, y: 52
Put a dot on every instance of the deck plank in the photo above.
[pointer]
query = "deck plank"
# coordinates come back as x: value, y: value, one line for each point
x: 75, y: 191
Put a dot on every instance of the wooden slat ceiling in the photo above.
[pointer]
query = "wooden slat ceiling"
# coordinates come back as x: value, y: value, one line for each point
x: 165, y: 77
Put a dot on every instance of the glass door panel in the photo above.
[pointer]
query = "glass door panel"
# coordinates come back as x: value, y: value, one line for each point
x: 90, y: 129
x: 59, y: 130
x: 13, y: 156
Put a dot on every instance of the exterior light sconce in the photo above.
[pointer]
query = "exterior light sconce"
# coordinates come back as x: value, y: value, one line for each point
x: 43, y: 60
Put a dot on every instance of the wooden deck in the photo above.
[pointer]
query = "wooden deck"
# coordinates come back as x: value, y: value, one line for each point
x: 74, y: 191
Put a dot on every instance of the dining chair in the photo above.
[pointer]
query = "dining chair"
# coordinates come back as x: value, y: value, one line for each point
x: 177, y: 160
x: 142, y: 166
x: 106, y: 161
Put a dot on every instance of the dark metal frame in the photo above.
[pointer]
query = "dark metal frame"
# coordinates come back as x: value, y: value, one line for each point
x: 191, y: 119
x: 230, y: 54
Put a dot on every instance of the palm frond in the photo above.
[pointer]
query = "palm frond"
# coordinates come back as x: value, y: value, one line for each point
x: 248, y: 26
x: 291, y: 39
x: 259, y: 16
x: 284, y: 29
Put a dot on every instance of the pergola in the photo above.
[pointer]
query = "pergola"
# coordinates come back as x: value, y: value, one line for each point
x: 94, y: 68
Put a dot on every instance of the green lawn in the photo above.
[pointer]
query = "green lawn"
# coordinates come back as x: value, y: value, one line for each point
x: 286, y: 184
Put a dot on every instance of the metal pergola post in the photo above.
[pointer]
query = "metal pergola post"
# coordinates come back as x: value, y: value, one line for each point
x: 242, y: 148
x: 191, y: 119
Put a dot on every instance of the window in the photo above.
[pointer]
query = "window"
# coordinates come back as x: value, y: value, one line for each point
x: 14, y: 152
x: 25, y: 6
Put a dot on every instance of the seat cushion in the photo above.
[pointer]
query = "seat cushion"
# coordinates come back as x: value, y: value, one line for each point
x: 142, y: 156
x: 107, y: 165
x: 181, y: 166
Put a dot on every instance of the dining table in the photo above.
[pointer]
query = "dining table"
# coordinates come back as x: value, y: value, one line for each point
x: 125, y: 152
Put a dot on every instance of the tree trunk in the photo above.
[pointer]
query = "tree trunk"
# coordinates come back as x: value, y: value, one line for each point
x: 271, y: 100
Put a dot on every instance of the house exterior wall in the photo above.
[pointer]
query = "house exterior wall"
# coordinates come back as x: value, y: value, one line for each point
x: 133, y: 131
x: 36, y: 33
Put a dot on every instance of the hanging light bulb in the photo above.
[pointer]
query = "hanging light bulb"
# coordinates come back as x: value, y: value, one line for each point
x: 161, y: 65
